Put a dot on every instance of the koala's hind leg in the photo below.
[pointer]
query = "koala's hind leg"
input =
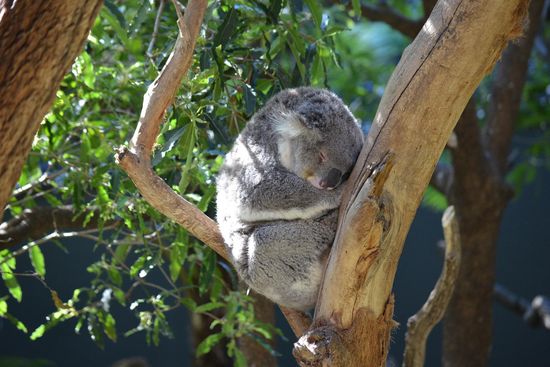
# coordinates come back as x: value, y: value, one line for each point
x: 285, y: 259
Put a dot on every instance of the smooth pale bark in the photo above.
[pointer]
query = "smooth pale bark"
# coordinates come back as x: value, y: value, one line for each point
x: 459, y: 44
x: 39, y: 41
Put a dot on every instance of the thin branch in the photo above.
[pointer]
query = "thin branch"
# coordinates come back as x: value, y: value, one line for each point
x: 155, y: 30
x: 397, y: 21
x: 535, y: 313
x: 420, y: 325
x: 51, y: 236
x: 384, y: 13
x: 510, y: 300
x: 39, y: 185
x: 37, y: 222
x: 135, y: 160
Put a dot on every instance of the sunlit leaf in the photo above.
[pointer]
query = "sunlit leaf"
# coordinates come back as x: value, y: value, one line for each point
x: 38, y: 332
x: 37, y: 260
x: 11, y: 282
x: 207, y: 344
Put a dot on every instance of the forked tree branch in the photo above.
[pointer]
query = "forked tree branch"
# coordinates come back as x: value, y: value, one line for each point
x: 136, y: 159
x: 421, y: 324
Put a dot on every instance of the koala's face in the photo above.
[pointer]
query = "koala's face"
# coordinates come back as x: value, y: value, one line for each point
x: 324, y: 162
x: 319, y: 139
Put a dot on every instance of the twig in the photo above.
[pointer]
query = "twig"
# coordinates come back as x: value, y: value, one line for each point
x: 22, y: 191
x: 51, y: 236
x: 535, y: 313
x: 155, y: 30
x: 420, y: 325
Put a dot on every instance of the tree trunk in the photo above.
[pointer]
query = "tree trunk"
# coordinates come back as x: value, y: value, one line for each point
x: 424, y: 98
x: 39, y: 41
x: 480, y: 196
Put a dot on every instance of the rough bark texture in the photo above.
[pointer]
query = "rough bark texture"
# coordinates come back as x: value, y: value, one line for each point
x: 423, y: 100
x: 480, y: 196
x: 39, y: 41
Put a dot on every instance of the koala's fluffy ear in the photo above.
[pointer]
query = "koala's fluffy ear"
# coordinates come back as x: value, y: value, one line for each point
x: 291, y: 125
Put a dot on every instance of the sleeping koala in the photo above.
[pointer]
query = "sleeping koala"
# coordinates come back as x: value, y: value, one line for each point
x: 279, y: 190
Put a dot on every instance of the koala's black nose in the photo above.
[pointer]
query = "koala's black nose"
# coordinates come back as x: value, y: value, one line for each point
x: 332, y: 179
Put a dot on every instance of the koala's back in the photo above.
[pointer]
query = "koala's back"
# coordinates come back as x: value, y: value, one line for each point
x: 276, y: 225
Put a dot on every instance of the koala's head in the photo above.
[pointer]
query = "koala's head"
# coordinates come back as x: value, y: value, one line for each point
x: 318, y: 138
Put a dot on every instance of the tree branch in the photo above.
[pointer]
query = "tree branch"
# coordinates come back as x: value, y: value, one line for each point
x: 424, y: 98
x: 155, y: 30
x: 384, y: 13
x: 421, y: 324
x: 535, y: 313
x: 397, y: 21
x: 135, y: 160
x: 37, y: 222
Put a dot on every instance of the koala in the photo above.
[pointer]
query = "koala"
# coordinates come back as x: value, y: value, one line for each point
x: 279, y: 189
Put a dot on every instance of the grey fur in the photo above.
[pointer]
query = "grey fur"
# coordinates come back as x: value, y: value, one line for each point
x: 278, y: 198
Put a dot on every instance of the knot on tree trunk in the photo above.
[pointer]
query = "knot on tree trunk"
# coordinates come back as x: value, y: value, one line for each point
x: 327, y: 345
x: 321, y: 346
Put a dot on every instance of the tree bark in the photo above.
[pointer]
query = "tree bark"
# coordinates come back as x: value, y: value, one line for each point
x: 39, y: 41
x: 423, y: 100
x: 480, y: 196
